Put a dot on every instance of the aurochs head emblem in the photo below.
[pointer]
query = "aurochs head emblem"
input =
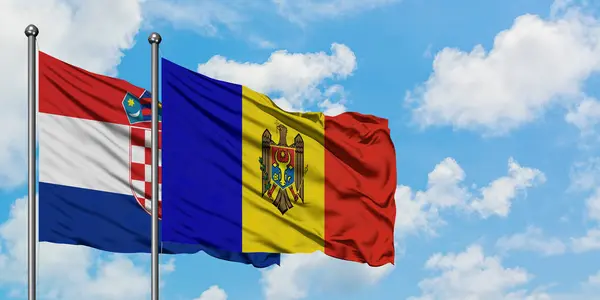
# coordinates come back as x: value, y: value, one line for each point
x: 282, y: 169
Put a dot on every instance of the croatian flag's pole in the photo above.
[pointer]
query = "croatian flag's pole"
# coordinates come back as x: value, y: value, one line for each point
x: 31, y: 32
x: 154, y: 39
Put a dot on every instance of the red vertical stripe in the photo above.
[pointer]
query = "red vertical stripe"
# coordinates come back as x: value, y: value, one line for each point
x: 360, y: 181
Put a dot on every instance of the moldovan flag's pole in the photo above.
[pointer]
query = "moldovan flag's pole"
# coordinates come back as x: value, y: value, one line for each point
x: 154, y: 39
x: 31, y: 32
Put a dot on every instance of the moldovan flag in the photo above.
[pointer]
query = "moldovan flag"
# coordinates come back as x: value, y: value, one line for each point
x: 95, y: 163
x: 241, y: 174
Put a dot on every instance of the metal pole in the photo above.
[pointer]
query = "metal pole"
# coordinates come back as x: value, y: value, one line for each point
x: 31, y: 32
x: 154, y: 39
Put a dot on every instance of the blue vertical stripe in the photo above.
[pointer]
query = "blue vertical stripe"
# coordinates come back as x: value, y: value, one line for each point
x: 202, y: 159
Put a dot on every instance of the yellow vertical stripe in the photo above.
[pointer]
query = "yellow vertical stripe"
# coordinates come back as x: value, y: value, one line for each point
x: 300, y: 229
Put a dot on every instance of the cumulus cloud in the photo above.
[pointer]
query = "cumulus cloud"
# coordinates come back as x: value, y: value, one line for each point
x: 497, y: 196
x: 295, y: 80
x: 533, y: 239
x: 446, y: 189
x: 592, y: 204
x: 314, y: 10
x: 591, y: 240
x: 420, y: 212
x: 473, y: 275
x: 167, y: 267
x: 585, y: 116
x: 213, y: 293
x: 67, y: 272
x: 535, y: 64
x: 68, y: 30
x: 300, y: 273
x: 334, y: 102
x: 594, y: 279
x: 585, y: 176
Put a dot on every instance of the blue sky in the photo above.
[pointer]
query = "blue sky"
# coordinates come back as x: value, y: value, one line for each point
x: 492, y: 108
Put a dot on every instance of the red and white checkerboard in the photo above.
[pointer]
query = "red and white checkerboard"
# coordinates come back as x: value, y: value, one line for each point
x: 140, y: 162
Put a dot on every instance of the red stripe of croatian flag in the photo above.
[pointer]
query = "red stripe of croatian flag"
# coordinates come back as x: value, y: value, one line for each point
x: 107, y: 105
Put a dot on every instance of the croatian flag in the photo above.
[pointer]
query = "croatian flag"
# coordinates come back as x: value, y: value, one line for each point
x: 95, y: 165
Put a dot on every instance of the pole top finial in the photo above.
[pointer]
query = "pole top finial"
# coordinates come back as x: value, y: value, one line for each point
x: 31, y: 30
x: 154, y: 38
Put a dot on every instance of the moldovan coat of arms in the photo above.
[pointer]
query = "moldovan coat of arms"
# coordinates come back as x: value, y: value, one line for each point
x: 283, y: 169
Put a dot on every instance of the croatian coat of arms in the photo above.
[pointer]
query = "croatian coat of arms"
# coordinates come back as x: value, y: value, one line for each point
x: 283, y: 169
x: 139, y: 114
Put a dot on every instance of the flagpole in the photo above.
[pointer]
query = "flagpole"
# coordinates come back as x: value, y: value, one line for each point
x: 31, y: 32
x: 154, y: 39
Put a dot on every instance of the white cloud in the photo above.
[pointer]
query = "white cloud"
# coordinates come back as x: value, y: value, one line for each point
x: 497, y: 196
x: 300, y: 273
x: 335, y: 100
x: 68, y: 30
x: 560, y: 6
x: 332, y: 109
x: 420, y: 210
x: 297, y: 78
x: 532, y: 66
x: 586, y: 116
x: 594, y: 279
x: 67, y: 272
x: 443, y: 185
x: 210, y: 17
x: 167, y: 267
x: 262, y: 42
x: 589, y: 242
x: 204, y: 17
x: 533, y: 239
x: 592, y: 204
x: 587, y: 290
x: 213, y: 293
x: 316, y: 10
x: 472, y: 275
x: 213, y: 18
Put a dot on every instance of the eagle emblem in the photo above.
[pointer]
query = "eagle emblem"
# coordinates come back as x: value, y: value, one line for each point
x: 282, y: 169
